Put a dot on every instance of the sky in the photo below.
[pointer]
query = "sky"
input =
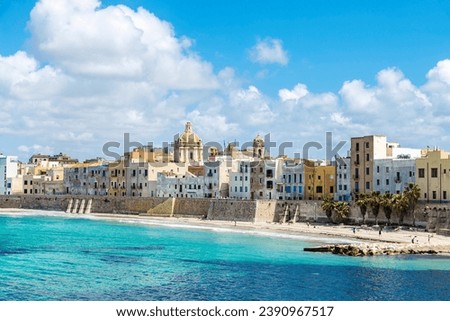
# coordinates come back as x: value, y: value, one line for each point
x: 75, y: 75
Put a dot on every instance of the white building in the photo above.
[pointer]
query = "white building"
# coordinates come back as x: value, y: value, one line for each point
x: 8, y: 170
x: 343, y: 180
x: 142, y: 178
x: 290, y: 187
x: 187, y: 186
x: 217, y: 176
x: 240, y: 180
x: 393, y: 175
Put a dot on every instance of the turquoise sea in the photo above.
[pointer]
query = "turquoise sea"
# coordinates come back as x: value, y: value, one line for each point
x: 61, y: 257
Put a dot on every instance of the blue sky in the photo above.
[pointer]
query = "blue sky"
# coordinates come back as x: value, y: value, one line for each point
x: 296, y: 69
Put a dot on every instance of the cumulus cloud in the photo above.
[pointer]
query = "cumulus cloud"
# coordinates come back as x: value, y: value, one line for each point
x: 301, y: 96
x: 269, y: 51
x: 93, y: 73
x: 252, y: 106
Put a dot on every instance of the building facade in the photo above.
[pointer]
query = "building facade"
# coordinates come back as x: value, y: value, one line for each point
x: 8, y: 170
x: 188, y: 147
x: 433, y: 176
x: 320, y: 180
x: 87, y: 179
x: 290, y: 187
x: 363, y: 152
x: 343, y: 190
x: 393, y: 175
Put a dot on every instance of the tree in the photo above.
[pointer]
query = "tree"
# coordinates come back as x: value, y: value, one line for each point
x: 328, y: 206
x: 374, y: 201
x: 412, y: 194
x: 362, y: 202
x: 400, y: 206
x: 386, y: 204
x: 341, y: 210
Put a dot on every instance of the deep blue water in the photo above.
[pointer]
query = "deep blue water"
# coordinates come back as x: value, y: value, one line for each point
x: 63, y: 258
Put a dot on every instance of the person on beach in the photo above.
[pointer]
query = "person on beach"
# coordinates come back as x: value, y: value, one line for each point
x: 354, y: 230
x: 379, y: 231
x: 413, y: 239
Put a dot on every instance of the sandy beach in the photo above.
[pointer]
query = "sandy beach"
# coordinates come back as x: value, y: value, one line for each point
x: 356, y: 234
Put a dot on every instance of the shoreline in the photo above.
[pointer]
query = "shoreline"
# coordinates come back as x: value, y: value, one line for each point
x: 362, y: 237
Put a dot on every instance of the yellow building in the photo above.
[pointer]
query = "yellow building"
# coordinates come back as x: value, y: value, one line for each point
x: 433, y: 176
x: 320, y: 180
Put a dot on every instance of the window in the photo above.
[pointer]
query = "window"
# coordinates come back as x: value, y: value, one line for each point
x: 340, y: 187
x: 235, y: 178
x: 318, y: 189
x: 378, y: 169
x: 345, y: 187
x: 345, y: 176
x: 421, y: 172
x: 367, y: 185
x: 367, y: 171
x: 357, y: 159
x: 387, y: 182
x: 378, y: 182
x: 318, y: 177
x: 434, y: 172
x: 387, y: 169
x: 357, y: 147
x: 331, y: 189
x: 367, y: 157
x: 367, y: 145
x: 434, y: 195
x: 444, y: 195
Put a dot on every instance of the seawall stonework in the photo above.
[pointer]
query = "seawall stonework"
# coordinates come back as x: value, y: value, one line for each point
x: 434, y: 217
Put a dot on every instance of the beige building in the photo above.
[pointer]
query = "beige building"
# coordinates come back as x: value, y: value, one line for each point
x: 188, y: 147
x: 363, y: 152
x: 433, y: 176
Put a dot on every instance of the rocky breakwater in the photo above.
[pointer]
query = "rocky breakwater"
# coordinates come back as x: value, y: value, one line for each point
x: 370, y: 249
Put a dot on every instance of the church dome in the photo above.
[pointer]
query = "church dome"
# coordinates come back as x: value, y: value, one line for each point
x: 189, y: 137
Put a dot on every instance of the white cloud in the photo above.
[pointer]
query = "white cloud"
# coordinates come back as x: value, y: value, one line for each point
x: 34, y: 149
x: 252, y: 106
x: 301, y: 96
x: 95, y: 73
x: 295, y: 94
x: 83, y: 39
x: 269, y: 51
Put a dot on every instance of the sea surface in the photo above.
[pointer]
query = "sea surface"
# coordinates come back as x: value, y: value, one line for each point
x: 61, y: 257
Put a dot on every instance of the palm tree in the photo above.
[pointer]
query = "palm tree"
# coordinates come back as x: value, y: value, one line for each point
x: 374, y: 201
x: 400, y: 206
x: 341, y: 210
x: 412, y: 194
x: 386, y: 204
x: 362, y: 202
x: 328, y: 206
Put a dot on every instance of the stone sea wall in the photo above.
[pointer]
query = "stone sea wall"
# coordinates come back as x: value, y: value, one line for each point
x: 435, y: 217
